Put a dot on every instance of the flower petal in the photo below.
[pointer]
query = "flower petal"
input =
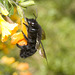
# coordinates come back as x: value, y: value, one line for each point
x: 5, y: 33
x: 5, y: 59
x: 24, y: 29
x: 25, y: 73
x: 22, y: 42
x: 18, y: 38
x: 23, y: 66
x: 7, y: 28
x: 3, y: 9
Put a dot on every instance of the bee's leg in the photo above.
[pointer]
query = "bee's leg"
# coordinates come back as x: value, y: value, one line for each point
x: 19, y: 46
x: 25, y: 25
x: 24, y: 35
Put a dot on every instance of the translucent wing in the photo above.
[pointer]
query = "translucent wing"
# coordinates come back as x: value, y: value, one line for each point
x: 43, y: 35
x: 39, y: 44
x: 42, y: 51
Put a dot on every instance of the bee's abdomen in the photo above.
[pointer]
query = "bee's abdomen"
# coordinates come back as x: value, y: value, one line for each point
x: 26, y: 53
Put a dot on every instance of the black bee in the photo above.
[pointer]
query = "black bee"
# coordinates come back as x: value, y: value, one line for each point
x: 34, y: 39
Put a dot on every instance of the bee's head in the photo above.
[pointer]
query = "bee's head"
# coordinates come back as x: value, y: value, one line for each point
x: 31, y: 22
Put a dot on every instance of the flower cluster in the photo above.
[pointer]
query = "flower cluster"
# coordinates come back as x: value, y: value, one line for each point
x: 9, y: 29
x: 20, y: 40
x: 21, y: 68
x: 11, y: 25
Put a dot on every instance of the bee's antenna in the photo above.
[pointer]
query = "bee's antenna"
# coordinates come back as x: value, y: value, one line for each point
x: 35, y: 16
x: 44, y: 52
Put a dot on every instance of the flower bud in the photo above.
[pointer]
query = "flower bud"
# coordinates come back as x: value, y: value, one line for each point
x: 3, y: 10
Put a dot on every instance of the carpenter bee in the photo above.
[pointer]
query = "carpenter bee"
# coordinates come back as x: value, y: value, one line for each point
x: 35, y: 34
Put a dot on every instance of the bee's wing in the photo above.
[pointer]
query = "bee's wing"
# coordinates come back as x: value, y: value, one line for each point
x: 39, y: 45
x: 42, y: 50
x: 43, y: 35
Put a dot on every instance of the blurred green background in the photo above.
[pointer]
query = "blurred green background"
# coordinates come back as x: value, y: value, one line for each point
x: 57, y: 19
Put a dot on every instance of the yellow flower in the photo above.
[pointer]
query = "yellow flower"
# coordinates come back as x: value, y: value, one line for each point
x: 5, y: 50
x: 25, y: 73
x: 4, y: 11
x: 7, y: 28
x: 20, y: 40
x: 22, y: 66
x: 0, y: 29
x: 15, y: 73
x: 15, y: 64
x: 24, y: 27
x: 7, y: 60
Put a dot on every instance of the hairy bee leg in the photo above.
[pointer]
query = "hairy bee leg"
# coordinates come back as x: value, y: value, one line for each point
x: 19, y: 46
x: 24, y: 35
x: 25, y: 25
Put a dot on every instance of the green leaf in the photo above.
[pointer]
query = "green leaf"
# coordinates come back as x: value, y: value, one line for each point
x: 5, y: 3
x: 27, y: 3
x: 1, y: 1
x: 11, y: 12
x: 19, y: 1
x: 20, y: 11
